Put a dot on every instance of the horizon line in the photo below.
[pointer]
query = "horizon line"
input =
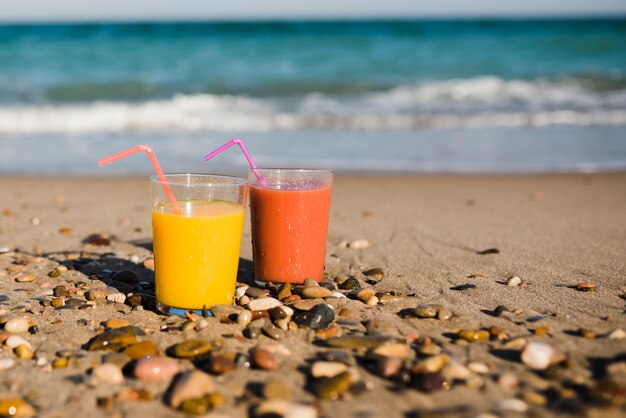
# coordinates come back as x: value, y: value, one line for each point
x: 246, y: 19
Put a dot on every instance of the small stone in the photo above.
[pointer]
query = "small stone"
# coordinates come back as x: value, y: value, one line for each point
x: 55, y: 273
x: 394, y: 350
x: 116, y: 358
x: 285, y: 291
x: 276, y: 389
x: 60, y: 363
x: 338, y: 295
x: 304, y: 305
x: 59, y: 291
x: 427, y: 381
x: 375, y: 273
x: 16, y: 408
x: 114, y: 339
x: 243, y: 301
x: 263, y: 359
x: 280, y: 312
x: 365, y: 294
x: 431, y: 364
x: 244, y: 318
x: 617, y: 334
x: 156, y: 368
x: 16, y: 325
x: 263, y: 304
x: 513, y: 281
x: 586, y: 287
x: 318, y: 317
x: 534, y: 398
x: 149, y: 264
x: 314, y: 292
x: 587, y: 333
x: 539, y: 331
x: 221, y: 364
x: 501, y: 310
x: 108, y: 373
x: 332, y: 387
x: 310, y: 282
x: 272, y: 331
x: 373, y: 301
x: 456, y: 371
x: 26, y: 278
x: 327, y: 368
x: 6, y: 363
x: 467, y: 286
x: 190, y: 385
x: 426, y: 311
x: 538, y: 356
x: 115, y: 323
x: 134, y: 300
x: 350, y: 284
x: 96, y: 294
x: 474, y: 336
x: 252, y: 332
x: 126, y: 276
x: 192, y: 348
x: 257, y: 293
x: 58, y: 302
x: 15, y: 341
x: 479, y: 368
x: 24, y: 352
x: 117, y: 297
x: 140, y: 350
x: 511, y: 405
x: 388, y: 366
x: 359, y: 244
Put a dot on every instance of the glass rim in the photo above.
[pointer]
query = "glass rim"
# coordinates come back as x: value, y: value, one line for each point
x: 235, y: 181
x: 299, y: 170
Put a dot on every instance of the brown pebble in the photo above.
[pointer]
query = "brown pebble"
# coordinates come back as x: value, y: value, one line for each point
x: 541, y: 330
x: 285, y: 292
x: 115, y: 323
x: 192, y: 348
x: 221, y: 364
x: 65, y: 231
x: 24, y: 352
x: 189, y: 386
x: 365, y: 294
x: 473, y: 336
x: 586, y: 287
x: 134, y: 300
x: 263, y: 359
x: 314, y: 292
x: 140, y: 350
x: 276, y: 389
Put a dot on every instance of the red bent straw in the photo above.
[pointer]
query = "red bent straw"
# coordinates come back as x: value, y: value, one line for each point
x: 155, y: 164
x: 245, y: 153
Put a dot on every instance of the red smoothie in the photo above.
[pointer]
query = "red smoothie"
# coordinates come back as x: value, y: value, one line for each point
x: 289, y: 232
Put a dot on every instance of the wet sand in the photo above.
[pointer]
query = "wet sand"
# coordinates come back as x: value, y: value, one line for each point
x: 425, y: 232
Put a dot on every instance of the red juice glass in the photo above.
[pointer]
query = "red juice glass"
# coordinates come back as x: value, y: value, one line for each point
x: 289, y: 211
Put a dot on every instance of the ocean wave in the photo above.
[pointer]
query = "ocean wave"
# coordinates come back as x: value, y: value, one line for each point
x: 480, y: 102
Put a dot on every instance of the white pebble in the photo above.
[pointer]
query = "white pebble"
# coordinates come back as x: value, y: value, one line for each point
x: 16, y: 325
x: 618, y: 334
x: 134, y: 259
x: 480, y: 368
x: 338, y: 295
x: 513, y: 281
x: 15, y: 340
x: 42, y: 361
x: 263, y: 304
x: 108, y: 373
x: 117, y: 297
x: 240, y: 291
x: 359, y: 244
x: 6, y: 363
x: 538, y: 356
x: 327, y: 368
x: 4, y: 250
x: 373, y: 301
x: 511, y: 405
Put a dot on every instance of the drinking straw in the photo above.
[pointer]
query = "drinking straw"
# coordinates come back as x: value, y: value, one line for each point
x: 155, y: 164
x: 245, y: 153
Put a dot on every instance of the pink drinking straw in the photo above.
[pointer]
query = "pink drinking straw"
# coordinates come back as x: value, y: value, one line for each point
x: 155, y: 164
x: 245, y: 153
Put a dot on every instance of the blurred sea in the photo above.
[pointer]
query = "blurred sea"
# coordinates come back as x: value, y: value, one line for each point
x: 431, y: 95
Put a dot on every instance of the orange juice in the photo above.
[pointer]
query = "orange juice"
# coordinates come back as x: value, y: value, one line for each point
x: 196, y: 252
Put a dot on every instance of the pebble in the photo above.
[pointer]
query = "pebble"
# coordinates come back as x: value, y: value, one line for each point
x: 6, y: 363
x: 327, y: 368
x: 388, y: 366
x: 281, y: 408
x: 351, y: 283
x: 58, y: 302
x: 26, y: 278
x: 140, y: 350
x: 276, y: 389
x: 116, y: 358
x: 375, y: 273
x: 114, y: 339
x: 273, y: 331
x: 474, y: 336
x: 431, y: 364
x: 59, y: 291
x: 221, y: 364
x: 285, y: 291
x: 310, y: 282
x: 192, y: 348
x: 303, y: 305
x: 244, y: 318
x: 264, y: 359
x: 538, y: 356
x: 190, y: 385
x: 149, y: 264
x: 359, y: 244
x: 156, y: 368
x: 252, y: 332
x: 108, y: 373
x: 15, y: 341
x: 257, y: 293
x: 320, y: 316
x: 456, y: 371
x: 427, y: 381
x: 96, y: 294
x: 263, y: 304
x: 126, y: 276
x: 394, y: 350
x: 500, y: 310
x: 365, y: 294
x: 426, y: 311
x: 16, y: 325
x: 586, y: 287
x: 16, y: 407
x: 511, y: 405
x: 479, y: 368
x: 332, y: 387
x: 373, y: 301
x: 134, y: 300
x: 24, y: 351
x: 314, y: 292
x: 116, y: 297
x: 513, y: 281
x: 243, y: 301
x: 349, y: 341
x: 617, y: 334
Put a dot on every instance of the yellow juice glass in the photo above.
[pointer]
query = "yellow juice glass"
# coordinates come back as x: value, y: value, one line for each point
x: 196, y: 251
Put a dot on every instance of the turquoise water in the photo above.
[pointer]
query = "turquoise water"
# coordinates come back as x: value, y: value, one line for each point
x: 472, y: 84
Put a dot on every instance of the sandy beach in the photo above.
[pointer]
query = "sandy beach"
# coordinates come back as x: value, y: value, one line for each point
x: 426, y: 233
